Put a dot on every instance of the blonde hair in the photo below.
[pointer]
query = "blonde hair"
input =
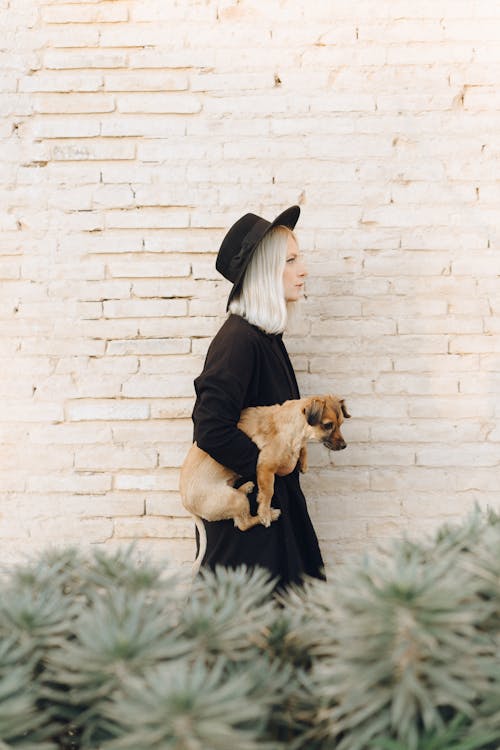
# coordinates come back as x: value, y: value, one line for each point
x: 261, y: 299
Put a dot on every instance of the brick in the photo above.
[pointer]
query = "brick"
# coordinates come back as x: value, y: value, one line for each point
x: 182, y: 58
x: 418, y: 506
x: 180, y: 149
x: 186, y: 287
x: 450, y: 363
x: 144, y: 308
x: 143, y: 126
x: 154, y: 81
x: 26, y: 411
x: 159, y: 481
x: 154, y: 432
x: 394, y: 307
x: 78, y: 411
x: 173, y: 454
x: 419, y: 478
x: 342, y: 383
x: 176, y: 268
x: 480, y: 383
x: 55, y: 347
x: 81, y: 385
x: 70, y: 529
x: 114, y: 458
x: 147, y: 218
x: 107, y: 242
x: 166, y: 504
x: 70, y: 174
x: 9, y: 270
x: 76, y: 104
x: 74, y: 14
x: 387, y: 345
x: 12, y: 529
x: 416, y: 384
x: 93, y: 150
x: 158, y: 103
x: 160, y: 12
x: 485, y: 265
x: 207, y: 307
x: 153, y: 526
x: 174, y: 408
x: 490, y: 362
x: 45, y: 458
x: 103, y: 328
x: 464, y: 455
x: 68, y: 37
x: 171, y: 364
x: 149, y: 346
x: 366, y: 327
x: 450, y: 407
x: 150, y: 386
x: 489, y: 344
x: 88, y: 506
x: 449, y: 324
x: 318, y: 484
x: 63, y: 82
x: 68, y: 434
x: 78, y: 483
x: 12, y: 481
x: 34, y: 366
x: 74, y: 59
x: 381, y: 454
x: 426, y: 430
x: 89, y: 291
x: 179, y: 327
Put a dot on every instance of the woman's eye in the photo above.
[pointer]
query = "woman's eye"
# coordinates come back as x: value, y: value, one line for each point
x: 328, y: 425
x: 291, y: 260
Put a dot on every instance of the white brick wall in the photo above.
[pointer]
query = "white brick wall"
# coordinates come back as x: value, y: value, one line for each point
x: 132, y: 134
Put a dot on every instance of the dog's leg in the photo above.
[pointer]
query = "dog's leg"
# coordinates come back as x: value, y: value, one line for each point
x: 303, y: 459
x: 243, y: 520
x: 265, y: 482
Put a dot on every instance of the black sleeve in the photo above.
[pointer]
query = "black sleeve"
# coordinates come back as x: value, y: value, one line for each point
x: 222, y: 390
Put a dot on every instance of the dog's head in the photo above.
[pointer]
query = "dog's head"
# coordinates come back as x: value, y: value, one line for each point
x: 325, y: 415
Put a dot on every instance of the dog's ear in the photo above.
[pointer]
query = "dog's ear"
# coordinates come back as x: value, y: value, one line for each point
x: 314, y: 411
x: 344, y: 410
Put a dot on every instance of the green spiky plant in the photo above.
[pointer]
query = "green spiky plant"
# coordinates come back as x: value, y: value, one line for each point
x: 401, y: 651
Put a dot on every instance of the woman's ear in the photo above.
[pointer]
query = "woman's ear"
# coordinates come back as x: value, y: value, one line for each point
x: 344, y: 410
x: 314, y: 411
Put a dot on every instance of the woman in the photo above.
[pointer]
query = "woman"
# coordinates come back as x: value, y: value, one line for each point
x: 247, y: 365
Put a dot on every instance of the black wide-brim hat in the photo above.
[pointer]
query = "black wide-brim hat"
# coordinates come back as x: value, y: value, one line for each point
x: 240, y: 242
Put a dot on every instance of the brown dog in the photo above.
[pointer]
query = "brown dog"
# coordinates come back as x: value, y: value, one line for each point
x: 281, y: 432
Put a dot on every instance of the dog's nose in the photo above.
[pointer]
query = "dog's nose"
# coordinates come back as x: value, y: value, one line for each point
x: 342, y: 444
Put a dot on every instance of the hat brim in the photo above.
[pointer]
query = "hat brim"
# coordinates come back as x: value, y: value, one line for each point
x: 287, y: 218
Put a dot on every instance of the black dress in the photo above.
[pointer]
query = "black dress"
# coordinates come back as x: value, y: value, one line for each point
x: 247, y: 367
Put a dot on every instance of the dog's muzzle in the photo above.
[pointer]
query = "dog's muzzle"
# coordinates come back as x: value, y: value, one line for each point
x: 335, y: 445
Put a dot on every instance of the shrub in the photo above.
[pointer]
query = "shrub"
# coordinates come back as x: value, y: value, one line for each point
x: 400, y: 651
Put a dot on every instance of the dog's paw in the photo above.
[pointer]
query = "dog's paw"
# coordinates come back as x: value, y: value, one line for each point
x: 247, y: 488
x: 265, y: 515
x: 268, y: 515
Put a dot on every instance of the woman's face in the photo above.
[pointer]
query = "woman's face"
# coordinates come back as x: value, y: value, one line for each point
x: 295, y: 272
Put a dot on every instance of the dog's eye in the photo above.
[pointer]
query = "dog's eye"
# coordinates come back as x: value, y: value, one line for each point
x: 328, y: 425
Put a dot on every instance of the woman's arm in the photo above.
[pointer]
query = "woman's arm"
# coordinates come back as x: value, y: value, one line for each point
x: 222, y: 392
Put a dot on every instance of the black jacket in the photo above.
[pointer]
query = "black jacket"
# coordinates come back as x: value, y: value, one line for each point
x: 247, y: 367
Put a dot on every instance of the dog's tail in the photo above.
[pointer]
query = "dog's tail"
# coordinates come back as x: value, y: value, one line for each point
x: 202, y: 543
